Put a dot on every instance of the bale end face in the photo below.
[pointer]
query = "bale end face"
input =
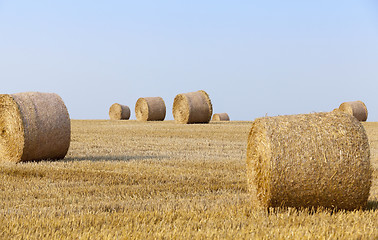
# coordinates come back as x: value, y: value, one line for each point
x: 11, y: 130
x: 181, y: 109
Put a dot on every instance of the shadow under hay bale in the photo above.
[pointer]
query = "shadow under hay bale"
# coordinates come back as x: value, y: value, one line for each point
x: 119, y: 112
x: 33, y: 126
x: 357, y: 109
x: 150, y: 109
x: 192, y: 107
x: 124, y: 158
x: 309, y: 160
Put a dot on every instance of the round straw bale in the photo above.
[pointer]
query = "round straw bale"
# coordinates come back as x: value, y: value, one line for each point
x: 150, y: 109
x: 309, y: 160
x: 33, y: 126
x: 119, y: 112
x: 193, y: 107
x: 220, y: 117
x: 356, y: 108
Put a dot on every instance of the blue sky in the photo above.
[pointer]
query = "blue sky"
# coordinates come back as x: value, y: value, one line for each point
x: 252, y: 57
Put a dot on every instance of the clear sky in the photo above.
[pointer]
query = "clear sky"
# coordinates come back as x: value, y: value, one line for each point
x: 252, y: 57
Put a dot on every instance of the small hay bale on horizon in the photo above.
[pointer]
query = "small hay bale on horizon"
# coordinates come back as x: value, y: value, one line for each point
x: 357, y: 109
x: 119, y: 112
x: 150, y: 109
x: 220, y: 117
x: 192, y: 107
x: 309, y: 160
x: 33, y: 126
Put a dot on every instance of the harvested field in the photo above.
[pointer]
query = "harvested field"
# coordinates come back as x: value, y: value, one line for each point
x: 135, y: 180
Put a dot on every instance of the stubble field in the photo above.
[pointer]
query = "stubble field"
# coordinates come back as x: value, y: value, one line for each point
x: 160, y: 180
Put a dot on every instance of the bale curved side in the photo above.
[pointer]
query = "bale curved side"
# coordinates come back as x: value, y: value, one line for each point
x: 357, y: 109
x: 40, y: 127
x: 150, y: 109
x: 119, y: 112
x: 220, y: 117
x: 309, y: 160
x: 192, y: 107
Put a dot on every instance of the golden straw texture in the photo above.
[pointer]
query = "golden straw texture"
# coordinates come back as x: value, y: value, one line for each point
x: 220, y: 117
x: 309, y: 160
x: 193, y: 107
x: 150, y: 109
x: 33, y: 126
x: 356, y: 108
x: 119, y: 112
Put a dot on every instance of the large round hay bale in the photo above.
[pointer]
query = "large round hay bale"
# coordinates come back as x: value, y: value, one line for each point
x: 220, y: 117
x: 33, y: 126
x: 150, y: 109
x: 356, y: 108
x: 192, y: 107
x: 309, y: 160
x: 119, y: 112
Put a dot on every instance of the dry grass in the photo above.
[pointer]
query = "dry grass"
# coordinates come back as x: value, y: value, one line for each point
x: 135, y: 180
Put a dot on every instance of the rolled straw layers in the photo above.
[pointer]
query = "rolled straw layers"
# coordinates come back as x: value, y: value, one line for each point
x: 119, y: 112
x: 150, y: 109
x: 33, y: 126
x: 192, y: 107
x: 357, y: 109
x: 220, y: 117
x: 309, y: 160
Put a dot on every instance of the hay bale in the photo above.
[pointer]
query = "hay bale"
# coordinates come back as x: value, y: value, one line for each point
x: 220, y: 117
x: 193, y: 107
x: 119, y: 112
x: 33, y: 126
x: 309, y: 160
x: 150, y: 109
x: 356, y: 108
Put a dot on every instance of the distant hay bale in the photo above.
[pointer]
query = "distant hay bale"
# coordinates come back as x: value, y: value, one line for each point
x: 33, y: 126
x: 356, y: 108
x: 150, y: 109
x: 309, y: 160
x: 220, y: 117
x: 192, y: 107
x: 119, y: 112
